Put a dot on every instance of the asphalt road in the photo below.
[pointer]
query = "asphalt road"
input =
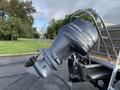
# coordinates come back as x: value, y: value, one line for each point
x: 13, y: 76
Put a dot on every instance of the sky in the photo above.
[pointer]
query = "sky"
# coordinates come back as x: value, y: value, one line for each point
x: 109, y: 10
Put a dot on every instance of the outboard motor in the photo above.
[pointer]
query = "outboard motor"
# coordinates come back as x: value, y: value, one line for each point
x: 78, y: 36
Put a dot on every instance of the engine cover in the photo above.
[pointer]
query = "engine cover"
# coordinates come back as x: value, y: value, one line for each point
x: 78, y: 36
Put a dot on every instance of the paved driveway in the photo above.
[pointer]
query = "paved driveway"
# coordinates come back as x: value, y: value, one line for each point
x: 13, y: 76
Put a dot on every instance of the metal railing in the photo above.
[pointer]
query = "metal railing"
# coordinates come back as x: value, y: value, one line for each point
x: 92, y: 14
x: 115, y: 38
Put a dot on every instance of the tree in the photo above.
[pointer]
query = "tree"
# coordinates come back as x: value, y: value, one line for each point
x: 3, y: 8
x: 23, y: 10
x: 4, y: 30
x: 19, y: 20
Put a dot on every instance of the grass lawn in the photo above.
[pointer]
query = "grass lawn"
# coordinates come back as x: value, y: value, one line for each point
x: 23, y: 46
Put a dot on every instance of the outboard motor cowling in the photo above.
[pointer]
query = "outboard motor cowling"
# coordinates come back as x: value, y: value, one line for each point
x: 78, y: 36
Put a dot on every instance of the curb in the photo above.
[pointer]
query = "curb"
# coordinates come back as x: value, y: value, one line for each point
x: 21, y: 54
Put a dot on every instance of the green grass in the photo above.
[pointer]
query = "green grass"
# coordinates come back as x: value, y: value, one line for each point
x: 23, y: 46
